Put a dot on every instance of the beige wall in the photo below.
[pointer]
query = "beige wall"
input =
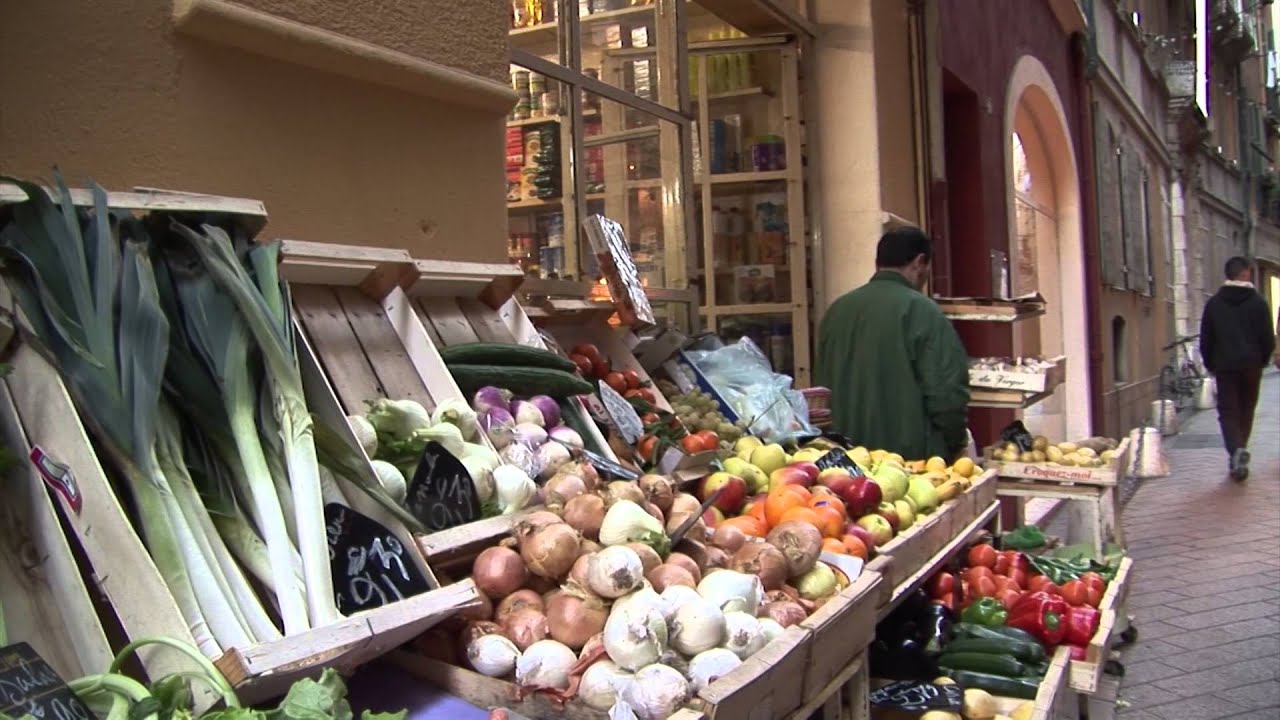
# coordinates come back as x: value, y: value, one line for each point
x: 894, y: 112
x: 110, y: 91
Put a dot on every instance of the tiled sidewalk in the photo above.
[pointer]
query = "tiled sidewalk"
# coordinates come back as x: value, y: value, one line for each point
x: 1206, y: 597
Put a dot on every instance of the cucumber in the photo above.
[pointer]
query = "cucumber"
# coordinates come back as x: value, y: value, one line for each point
x: 525, y: 381
x: 998, y: 632
x: 1022, y: 689
x: 505, y: 354
x: 1025, y: 651
x: 1004, y: 665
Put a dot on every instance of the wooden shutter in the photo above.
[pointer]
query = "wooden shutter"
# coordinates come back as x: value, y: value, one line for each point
x: 1137, y: 273
x: 1110, y: 255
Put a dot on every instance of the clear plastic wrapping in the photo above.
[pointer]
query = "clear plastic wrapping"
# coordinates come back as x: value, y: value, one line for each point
x: 745, y: 379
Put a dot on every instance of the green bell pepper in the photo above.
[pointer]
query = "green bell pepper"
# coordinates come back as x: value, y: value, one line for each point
x: 985, y: 611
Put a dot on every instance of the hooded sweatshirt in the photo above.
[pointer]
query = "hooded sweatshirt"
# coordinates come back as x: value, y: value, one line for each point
x: 1235, y: 329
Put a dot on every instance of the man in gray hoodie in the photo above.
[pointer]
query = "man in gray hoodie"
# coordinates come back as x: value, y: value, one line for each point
x: 1236, y: 341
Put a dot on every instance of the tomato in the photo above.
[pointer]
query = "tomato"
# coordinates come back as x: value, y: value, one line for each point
x: 649, y: 418
x: 633, y: 378
x: 1008, y: 598
x: 973, y: 573
x: 944, y: 583
x: 691, y: 444
x: 1093, y: 596
x: 1076, y: 593
x: 644, y: 394
x: 984, y: 587
x: 1002, y: 566
x: 1016, y: 559
x: 616, y: 381
x: 583, y: 362
x: 1019, y: 576
x: 710, y: 440
x: 832, y: 545
x: 644, y: 448
x: 945, y: 602
x: 589, y: 351
x: 855, y: 547
x: 982, y: 556
x: 1004, y: 583
x: 1094, y: 580
x: 600, y: 370
x: 1041, y: 583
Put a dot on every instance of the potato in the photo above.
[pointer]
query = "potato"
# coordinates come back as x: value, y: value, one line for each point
x: 1027, y: 457
x: 1039, y: 455
x: 1068, y: 460
x: 1068, y: 447
x: 1086, y: 452
x: 1040, y: 443
x: 1009, y: 456
x: 1053, y: 454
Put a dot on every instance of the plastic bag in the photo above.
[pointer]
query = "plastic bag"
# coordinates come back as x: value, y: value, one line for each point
x: 1018, y: 434
x: 745, y: 379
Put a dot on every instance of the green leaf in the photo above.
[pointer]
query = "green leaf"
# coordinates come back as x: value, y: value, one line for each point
x: 174, y: 696
x: 366, y: 715
x: 144, y: 709
x: 239, y: 713
x: 323, y: 699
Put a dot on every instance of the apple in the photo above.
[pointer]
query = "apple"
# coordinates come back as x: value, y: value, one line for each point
x: 732, y: 498
x: 836, y: 478
x: 768, y: 457
x: 856, y: 530
x: 862, y: 497
x: 757, y: 480
x: 889, y: 512
x: 877, y: 527
x: 712, y: 517
x: 906, y: 514
x: 789, y: 475
x: 809, y: 469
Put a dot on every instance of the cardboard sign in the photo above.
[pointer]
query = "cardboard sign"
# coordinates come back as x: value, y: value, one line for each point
x: 442, y: 494
x: 623, y: 415
x: 839, y: 458
x: 920, y: 697
x: 367, y: 562
x: 28, y: 686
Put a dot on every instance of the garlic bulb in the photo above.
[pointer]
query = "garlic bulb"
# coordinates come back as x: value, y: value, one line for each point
x: 706, y: 667
x: 493, y: 655
x: 697, y: 626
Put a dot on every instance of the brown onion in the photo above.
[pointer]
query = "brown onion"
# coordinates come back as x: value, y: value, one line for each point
x: 649, y: 557
x: 550, y: 552
x: 560, y: 489
x: 573, y: 620
x: 525, y: 627
x: 542, y: 585
x: 587, y: 472
x: 482, y: 610
x: 668, y: 574
x: 655, y: 512
x: 800, y: 543
x: 525, y: 598
x: 716, y: 558
x: 498, y: 572
x: 677, y: 518
x: 729, y: 537
x: 695, y: 551
x: 622, y: 490
x: 784, y: 613
x: 762, y: 560
x: 578, y: 573
x: 473, y: 630
x: 585, y: 513
x: 586, y: 547
x: 658, y: 490
x: 687, y: 563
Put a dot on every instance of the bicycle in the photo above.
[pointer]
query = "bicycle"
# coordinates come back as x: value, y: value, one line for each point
x: 1180, y: 379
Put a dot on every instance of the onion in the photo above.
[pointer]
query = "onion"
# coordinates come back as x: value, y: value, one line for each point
x: 695, y: 551
x: 716, y: 558
x: 729, y: 537
x: 677, y: 518
x: 473, y: 630
x: 584, y: 513
x: 697, y: 626
x: 573, y: 620
x: 596, y: 689
x: 525, y: 598
x: 493, y: 655
x: 743, y: 634
x: 819, y: 582
x: 566, y: 436
x: 548, y: 408
x: 622, y: 490
x: 648, y: 556
x: 563, y: 488
x: 654, y: 511
x: 655, y: 693
x: 676, y: 596
x: 526, y: 412
x: 771, y: 629
x: 732, y: 591
x: 525, y: 627
x: 521, y: 456
x: 498, y: 572
x: 687, y: 563
x: 785, y: 613
x: 545, y: 665
x: 685, y: 503
x: 530, y: 435
x: 800, y: 543
x: 482, y: 610
x: 614, y: 572
x: 578, y: 573
x: 762, y: 560
x: 658, y: 490
x: 586, y: 546
x: 498, y: 426
x: 667, y: 575
x: 490, y: 397
x: 542, y: 586
x: 550, y: 552
x: 530, y: 524
x: 706, y: 667
x: 552, y: 457
x: 635, y: 634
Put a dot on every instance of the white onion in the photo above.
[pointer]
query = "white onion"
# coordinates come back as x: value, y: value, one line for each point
x: 696, y: 627
x: 743, y: 634
x: 771, y: 629
x: 655, y: 693
x: 635, y: 635
x: 493, y: 655
x: 545, y: 665
x: 614, y: 572
x: 675, y: 596
x: 513, y: 487
x: 706, y: 667
x: 646, y: 596
x: 552, y: 457
x: 732, y: 591
x: 598, y: 688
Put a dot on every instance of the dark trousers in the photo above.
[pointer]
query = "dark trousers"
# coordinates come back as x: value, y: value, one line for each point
x: 1237, y: 398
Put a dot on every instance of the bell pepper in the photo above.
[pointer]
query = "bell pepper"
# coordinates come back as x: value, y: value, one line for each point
x: 1081, y: 624
x: 1042, y: 615
x: 1078, y: 652
x: 985, y: 611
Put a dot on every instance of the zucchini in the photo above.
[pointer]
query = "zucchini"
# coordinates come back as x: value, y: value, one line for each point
x: 998, y: 632
x: 1007, y: 687
x: 525, y: 381
x: 505, y: 354
x: 1004, y: 665
x: 1031, y: 652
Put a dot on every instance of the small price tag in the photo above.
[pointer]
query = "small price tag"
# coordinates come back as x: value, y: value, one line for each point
x: 59, y: 477
x: 624, y: 417
x: 442, y: 494
x: 367, y: 562
x: 918, y: 697
x: 28, y: 686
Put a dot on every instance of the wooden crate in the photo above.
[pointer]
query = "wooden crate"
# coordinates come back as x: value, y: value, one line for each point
x: 1054, y: 701
x: 613, y: 345
x: 1019, y: 381
x: 842, y: 629
x: 1085, y: 675
x: 911, y: 571
x: 1061, y: 473
x: 844, y: 697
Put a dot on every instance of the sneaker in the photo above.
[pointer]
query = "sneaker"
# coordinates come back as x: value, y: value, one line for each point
x: 1240, y: 464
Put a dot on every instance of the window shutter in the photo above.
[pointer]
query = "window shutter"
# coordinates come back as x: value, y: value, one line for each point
x: 1137, y: 273
x: 1110, y: 256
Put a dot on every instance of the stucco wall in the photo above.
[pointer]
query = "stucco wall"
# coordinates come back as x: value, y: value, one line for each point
x: 894, y: 111
x: 109, y: 91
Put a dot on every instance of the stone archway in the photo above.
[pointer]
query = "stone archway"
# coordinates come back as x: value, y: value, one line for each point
x: 1046, y: 249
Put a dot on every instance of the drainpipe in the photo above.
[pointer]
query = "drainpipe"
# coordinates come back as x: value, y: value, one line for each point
x: 1086, y: 66
x: 917, y: 55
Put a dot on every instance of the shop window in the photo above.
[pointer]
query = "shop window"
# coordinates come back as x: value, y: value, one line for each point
x: 1119, y: 352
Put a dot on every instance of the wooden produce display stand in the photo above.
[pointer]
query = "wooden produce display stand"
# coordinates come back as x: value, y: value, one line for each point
x: 123, y: 568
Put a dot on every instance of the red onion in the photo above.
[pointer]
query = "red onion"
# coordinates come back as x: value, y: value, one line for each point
x: 584, y: 513
x: 498, y: 572
x: 525, y: 598
x: 762, y: 560
x: 551, y: 551
x: 549, y: 408
x: 785, y: 613
x: 573, y: 620
x: 800, y: 543
x: 687, y: 563
x: 489, y: 397
x: 664, y: 576
x: 525, y: 627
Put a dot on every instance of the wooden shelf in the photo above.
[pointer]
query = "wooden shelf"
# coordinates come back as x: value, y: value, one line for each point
x: 750, y: 92
x: 533, y: 121
x: 534, y: 204
x: 1005, y: 399
x: 989, y: 310
x: 539, y: 36
x: 745, y: 178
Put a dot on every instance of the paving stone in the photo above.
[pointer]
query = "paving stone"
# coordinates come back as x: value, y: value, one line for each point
x: 1200, y: 708
x: 1237, y: 597
x: 1149, y: 671
x: 1196, y: 660
x: 1210, y: 637
x: 1224, y: 615
x: 1257, y: 696
x: 1206, y: 682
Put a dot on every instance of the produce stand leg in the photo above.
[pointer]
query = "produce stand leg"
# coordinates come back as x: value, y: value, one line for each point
x: 1102, y: 704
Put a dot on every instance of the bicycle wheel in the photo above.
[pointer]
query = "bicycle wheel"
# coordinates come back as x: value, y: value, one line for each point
x: 1168, y: 383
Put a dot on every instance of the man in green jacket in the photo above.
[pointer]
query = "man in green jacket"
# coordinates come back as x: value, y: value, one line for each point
x: 898, y: 374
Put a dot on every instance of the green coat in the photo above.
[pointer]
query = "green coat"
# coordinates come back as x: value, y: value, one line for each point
x: 898, y: 374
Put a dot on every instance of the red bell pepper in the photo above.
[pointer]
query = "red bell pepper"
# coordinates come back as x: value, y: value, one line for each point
x: 1081, y: 624
x: 1042, y: 615
x: 1077, y: 652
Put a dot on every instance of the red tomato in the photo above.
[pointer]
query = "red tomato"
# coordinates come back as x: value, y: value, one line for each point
x: 633, y: 379
x: 1019, y: 576
x: 649, y: 418
x: 946, y: 602
x: 1076, y: 593
x: 644, y: 448
x: 942, y: 584
x: 1004, y: 583
x: 984, y: 587
x: 1008, y: 598
x: 982, y: 556
x: 1094, y: 580
x: 1016, y: 559
x: 644, y: 394
x: 583, y: 362
x: 616, y: 381
x: 1093, y: 597
x: 710, y: 440
x: 691, y: 444
x: 1003, y: 566
x: 974, y: 573
x: 600, y: 369
x: 589, y: 351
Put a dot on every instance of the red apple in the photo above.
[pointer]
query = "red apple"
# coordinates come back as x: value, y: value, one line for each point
x: 877, y: 527
x: 732, y: 498
x: 862, y: 497
x: 810, y: 469
x: 712, y: 517
x: 836, y: 478
x: 890, y: 513
x: 856, y: 530
x: 789, y: 475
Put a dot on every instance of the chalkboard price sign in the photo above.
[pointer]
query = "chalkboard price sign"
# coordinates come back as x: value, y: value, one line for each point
x: 839, y: 458
x: 624, y: 417
x: 367, y: 562
x: 28, y: 686
x: 442, y: 494
x: 918, y: 697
